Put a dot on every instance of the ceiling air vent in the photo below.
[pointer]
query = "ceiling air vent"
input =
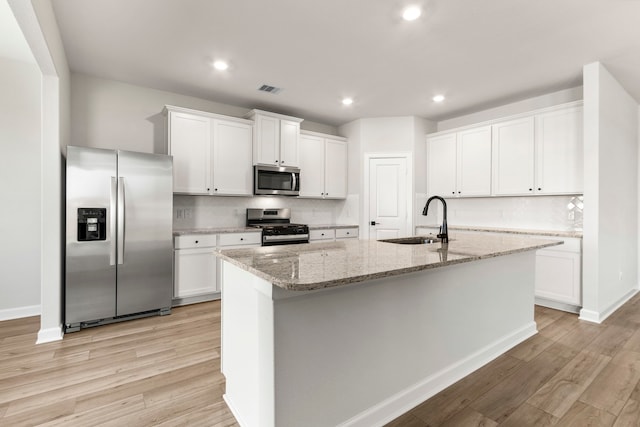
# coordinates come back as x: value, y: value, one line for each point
x: 269, y: 89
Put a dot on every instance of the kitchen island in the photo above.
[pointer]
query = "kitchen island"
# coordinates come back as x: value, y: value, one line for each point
x: 358, y: 332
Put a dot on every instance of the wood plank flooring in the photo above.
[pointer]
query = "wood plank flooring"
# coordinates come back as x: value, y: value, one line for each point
x: 165, y: 371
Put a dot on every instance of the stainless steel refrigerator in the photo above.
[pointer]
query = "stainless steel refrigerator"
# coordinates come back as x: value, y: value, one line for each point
x: 119, y: 252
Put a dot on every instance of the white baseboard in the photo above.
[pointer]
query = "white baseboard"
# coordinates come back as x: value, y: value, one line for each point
x: 600, y: 316
x: 569, y: 308
x: 400, y: 403
x: 49, y: 335
x: 232, y: 408
x: 20, y: 312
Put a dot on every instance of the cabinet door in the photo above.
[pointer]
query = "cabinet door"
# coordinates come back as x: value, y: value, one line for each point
x: 311, y: 166
x: 267, y: 140
x: 558, y: 276
x: 474, y: 162
x: 441, y: 165
x: 232, y: 165
x: 513, y: 157
x: 189, y: 144
x: 559, y: 152
x: 289, y: 142
x: 335, y: 177
x: 195, y: 272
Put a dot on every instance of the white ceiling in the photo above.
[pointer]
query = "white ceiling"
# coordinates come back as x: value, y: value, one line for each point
x: 479, y: 53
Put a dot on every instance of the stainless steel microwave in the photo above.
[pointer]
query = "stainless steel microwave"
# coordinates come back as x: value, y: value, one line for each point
x: 276, y: 180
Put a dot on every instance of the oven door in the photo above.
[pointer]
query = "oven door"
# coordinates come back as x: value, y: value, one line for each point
x: 274, y: 180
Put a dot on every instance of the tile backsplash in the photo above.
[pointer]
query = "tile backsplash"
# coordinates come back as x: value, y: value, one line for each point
x: 216, y: 211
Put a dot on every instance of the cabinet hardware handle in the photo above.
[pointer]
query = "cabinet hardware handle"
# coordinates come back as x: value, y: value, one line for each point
x: 215, y: 189
x: 539, y: 189
x: 242, y: 238
x: 208, y: 189
x: 196, y: 241
x: 276, y: 161
x: 459, y: 192
x: 531, y: 189
x: 453, y: 192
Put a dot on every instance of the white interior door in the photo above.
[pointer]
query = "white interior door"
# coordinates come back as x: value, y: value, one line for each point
x: 388, y: 198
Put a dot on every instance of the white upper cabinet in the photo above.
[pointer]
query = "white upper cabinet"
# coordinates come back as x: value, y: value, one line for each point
x: 232, y: 166
x: 323, y: 166
x: 335, y: 161
x: 211, y: 153
x: 277, y: 138
x: 189, y: 138
x: 441, y: 165
x: 459, y: 163
x: 474, y: 162
x: 559, y: 151
x: 513, y: 157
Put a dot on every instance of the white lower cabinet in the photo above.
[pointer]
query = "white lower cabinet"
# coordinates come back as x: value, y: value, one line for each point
x: 331, y: 234
x: 196, y: 267
x: 559, y: 276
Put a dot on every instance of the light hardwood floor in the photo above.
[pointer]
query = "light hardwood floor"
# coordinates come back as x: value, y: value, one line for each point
x: 165, y: 371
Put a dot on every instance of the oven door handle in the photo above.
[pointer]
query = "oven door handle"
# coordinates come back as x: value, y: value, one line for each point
x: 281, y: 237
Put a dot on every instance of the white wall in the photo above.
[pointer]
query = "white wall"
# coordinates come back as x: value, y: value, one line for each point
x: 384, y: 135
x: 111, y: 114
x: 530, y: 104
x: 610, y: 244
x: 20, y: 193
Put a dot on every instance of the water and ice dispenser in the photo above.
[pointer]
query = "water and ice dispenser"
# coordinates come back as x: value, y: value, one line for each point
x: 92, y: 224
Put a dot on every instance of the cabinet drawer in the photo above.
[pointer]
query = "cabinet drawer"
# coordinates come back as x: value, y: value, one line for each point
x: 234, y: 239
x: 188, y: 241
x: 344, y: 233
x: 322, y: 234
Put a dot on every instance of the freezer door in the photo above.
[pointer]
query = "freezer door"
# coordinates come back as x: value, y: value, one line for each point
x: 145, y: 249
x: 90, y: 282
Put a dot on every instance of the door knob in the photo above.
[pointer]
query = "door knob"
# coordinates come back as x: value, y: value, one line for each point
x: 375, y: 223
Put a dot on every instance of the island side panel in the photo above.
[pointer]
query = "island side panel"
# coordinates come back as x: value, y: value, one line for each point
x: 247, y: 353
x: 363, y: 354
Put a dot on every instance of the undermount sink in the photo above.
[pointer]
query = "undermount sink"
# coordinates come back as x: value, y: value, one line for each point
x: 415, y: 240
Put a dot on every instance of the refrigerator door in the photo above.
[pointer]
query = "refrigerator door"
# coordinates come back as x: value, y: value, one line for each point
x: 145, y: 248
x: 90, y: 283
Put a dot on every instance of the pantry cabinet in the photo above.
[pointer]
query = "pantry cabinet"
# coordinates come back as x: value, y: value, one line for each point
x: 212, y: 154
x: 459, y: 163
x: 323, y: 166
x: 276, y: 140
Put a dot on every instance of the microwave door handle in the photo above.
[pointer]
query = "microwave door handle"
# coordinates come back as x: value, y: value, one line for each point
x: 293, y: 178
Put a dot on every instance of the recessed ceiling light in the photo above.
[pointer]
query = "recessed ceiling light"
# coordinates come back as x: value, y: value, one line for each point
x: 438, y: 98
x: 347, y: 101
x: 411, y: 13
x: 220, y: 65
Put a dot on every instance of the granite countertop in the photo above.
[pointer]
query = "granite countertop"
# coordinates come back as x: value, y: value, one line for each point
x: 325, y: 265
x: 329, y: 226
x: 549, y: 233
x: 214, y: 230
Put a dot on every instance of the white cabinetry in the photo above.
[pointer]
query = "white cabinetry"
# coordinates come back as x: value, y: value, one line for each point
x: 513, y: 157
x: 196, y: 267
x: 459, y: 163
x: 276, y: 139
x: 331, y: 234
x: 211, y: 153
x: 559, y: 151
x: 323, y: 166
x: 559, y: 276
x: 232, y: 166
x: 189, y: 138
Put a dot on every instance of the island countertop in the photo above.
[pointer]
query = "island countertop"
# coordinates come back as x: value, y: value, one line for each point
x: 308, y: 267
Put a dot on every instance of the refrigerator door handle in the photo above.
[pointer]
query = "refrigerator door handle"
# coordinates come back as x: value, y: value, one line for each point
x: 112, y: 220
x: 121, y: 220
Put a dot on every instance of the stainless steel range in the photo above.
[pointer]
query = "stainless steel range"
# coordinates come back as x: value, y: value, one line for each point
x: 276, y: 226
